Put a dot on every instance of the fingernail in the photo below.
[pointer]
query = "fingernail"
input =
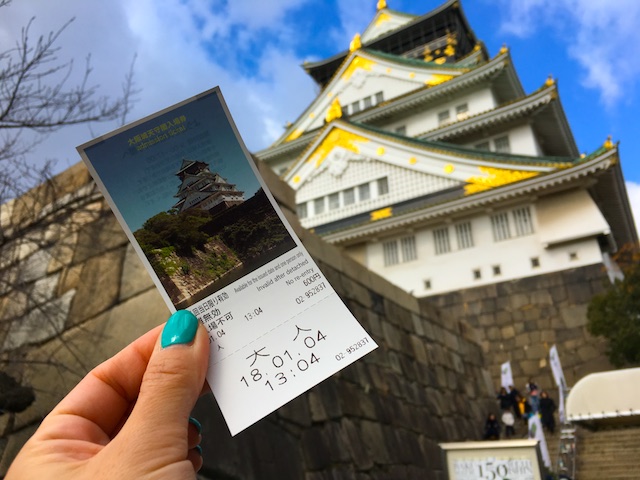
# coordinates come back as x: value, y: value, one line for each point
x: 199, y: 448
x: 180, y: 328
x: 196, y: 424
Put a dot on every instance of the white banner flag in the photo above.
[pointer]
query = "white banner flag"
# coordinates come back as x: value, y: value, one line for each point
x: 556, y: 368
x: 506, y: 377
x: 536, y: 433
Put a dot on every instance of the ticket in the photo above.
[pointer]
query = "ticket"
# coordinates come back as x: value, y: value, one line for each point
x: 190, y: 199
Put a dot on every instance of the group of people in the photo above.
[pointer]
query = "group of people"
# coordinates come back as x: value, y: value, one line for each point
x: 515, y: 406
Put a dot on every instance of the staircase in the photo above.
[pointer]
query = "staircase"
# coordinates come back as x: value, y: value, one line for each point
x: 612, y: 454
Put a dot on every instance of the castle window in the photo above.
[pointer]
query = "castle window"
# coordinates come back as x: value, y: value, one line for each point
x: 484, y: 146
x: 477, y: 274
x: 383, y: 186
x: 318, y: 206
x: 573, y: 256
x: 390, y: 253
x: 462, y: 111
x: 355, y: 107
x: 427, y: 284
x: 497, y: 270
x: 502, y: 145
x: 464, y: 235
x: 334, y: 201
x: 367, y: 102
x: 379, y: 98
x: 408, y: 246
x: 302, y: 210
x: 364, y: 192
x: 443, y: 117
x: 401, y: 130
x: 349, y: 196
x: 441, y: 240
x: 500, y: 227
x: 535, y: 262
x: 522, y: 221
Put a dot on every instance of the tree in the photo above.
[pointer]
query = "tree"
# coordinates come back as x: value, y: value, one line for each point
x: 37, y: 98
x: 615, y: 314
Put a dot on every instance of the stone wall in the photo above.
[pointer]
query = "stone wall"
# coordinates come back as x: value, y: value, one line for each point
x: 73, y: 292
x: 520, y: 320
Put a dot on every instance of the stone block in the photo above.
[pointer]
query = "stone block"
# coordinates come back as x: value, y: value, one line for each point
x: 393, y: 336
x: 519, y: 300
x: 418, y: 348
x: 574, y: 316
x: 508, y: 332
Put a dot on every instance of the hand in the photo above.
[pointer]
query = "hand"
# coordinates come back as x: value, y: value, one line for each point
x: 129, y: 417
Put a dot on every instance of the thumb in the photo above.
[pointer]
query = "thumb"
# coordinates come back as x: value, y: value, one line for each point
x: 170, y: 388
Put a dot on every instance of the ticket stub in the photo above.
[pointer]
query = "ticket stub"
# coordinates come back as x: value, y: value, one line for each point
x: 191, y: 201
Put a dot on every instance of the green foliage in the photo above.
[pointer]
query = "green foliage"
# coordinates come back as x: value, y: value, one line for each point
x: 220, y: 263
x: 615, y: 314
x: 179, y: 230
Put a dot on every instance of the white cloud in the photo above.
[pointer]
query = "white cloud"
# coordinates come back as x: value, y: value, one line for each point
x: 601, y: 35
x: 633, y: 191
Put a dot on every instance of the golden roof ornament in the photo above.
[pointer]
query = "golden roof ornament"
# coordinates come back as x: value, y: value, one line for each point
x: 504, y: 49
x: 355, y: 43
x: 382, y: 4
x: 450, y: 49
x: 334, y: 111
x: 550, y: 81
x: 427, y: 55
x: 608, y: 144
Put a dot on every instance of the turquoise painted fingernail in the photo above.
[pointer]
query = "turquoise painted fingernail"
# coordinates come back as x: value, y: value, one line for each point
x: 196, y: 424
x: 180, y: 328
x: 199, y: 448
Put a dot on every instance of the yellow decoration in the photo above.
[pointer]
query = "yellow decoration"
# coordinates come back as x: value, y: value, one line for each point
x: 437, y: 79
x: 427, y: 55
x: 337, y: 138
x: 440, y: 60
x: 549, y: 81
x: 380, y: 150
x: 412, y: 75
x: 312, y: 115
x: 334, y: 111
x: 356, y: 63
x: 448, y: 168
x: 450, y: 49
x: 382, y: 4
x: 608, y: 144
x: 329, y: 94
x: 382, y: 18
x: 355, y: 43
x: 504, y: 49
x: 296, y: 179
x: 495, y: 177
x: 382, y: 213
x: 413, y: 161
x: 583, y: 155
x: 388, y: 70
x: 295, y: 134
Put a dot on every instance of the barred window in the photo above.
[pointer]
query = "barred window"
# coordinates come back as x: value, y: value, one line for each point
x: 364, y: 192
x: 334, y: 201
x: 383, y: 186
x: 500, y: 227
x: 441, y: 240
x: 318, y: 206
x: 355, y: 107
x: 408, y: 245
x: 401, y: 130
x: 349, y: 196
x: 502, y: 145
x: 379, y: 97
x: 390, y: 252
x: 302, y: 210
x: 367, y: 102
x: 443, y: 117
x: 464, y: 235
x: 462, y: 111
x: 484, y: 146
x: 522, y: 221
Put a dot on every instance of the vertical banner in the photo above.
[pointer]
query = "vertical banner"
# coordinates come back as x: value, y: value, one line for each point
x: 506, y: 376
x: 536, y: 433
x: 558, y: 375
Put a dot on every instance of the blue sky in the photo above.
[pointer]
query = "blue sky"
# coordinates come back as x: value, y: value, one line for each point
x: 253, y: 49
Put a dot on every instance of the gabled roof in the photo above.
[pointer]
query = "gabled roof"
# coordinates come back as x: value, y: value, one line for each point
x: 413, y: 75
x: 385, y: 20
x: 407, y: 38
x: 475, y: 168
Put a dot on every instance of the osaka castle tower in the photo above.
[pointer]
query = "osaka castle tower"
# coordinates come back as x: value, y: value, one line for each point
x: 424, y: 159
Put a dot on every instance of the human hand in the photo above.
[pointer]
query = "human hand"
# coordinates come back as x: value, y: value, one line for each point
x: 129, y: 417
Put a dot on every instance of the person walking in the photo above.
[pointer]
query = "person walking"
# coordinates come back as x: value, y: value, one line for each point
x: 547, y: 409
